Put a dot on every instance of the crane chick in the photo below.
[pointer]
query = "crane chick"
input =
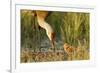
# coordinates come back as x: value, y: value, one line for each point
x: 70, y: 51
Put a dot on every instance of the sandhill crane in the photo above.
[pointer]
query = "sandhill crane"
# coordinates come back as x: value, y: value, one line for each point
x: 41, y: 16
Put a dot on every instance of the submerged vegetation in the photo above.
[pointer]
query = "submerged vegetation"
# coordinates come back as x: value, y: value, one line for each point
x: 70, y: 27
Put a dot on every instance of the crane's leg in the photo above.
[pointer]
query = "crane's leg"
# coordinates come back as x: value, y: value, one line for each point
x: 53, y: 40
x: 53, y: 45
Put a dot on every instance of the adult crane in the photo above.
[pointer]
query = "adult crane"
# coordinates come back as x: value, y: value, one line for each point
x: 41, y: 19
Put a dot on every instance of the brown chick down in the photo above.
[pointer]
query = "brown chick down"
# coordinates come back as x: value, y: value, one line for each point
x: 68, y: 49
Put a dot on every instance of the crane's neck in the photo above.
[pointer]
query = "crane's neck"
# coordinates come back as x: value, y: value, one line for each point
x: 44, y: 25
